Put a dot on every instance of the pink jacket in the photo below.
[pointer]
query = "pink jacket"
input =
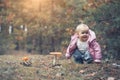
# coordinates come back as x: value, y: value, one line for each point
x: 94, y: 47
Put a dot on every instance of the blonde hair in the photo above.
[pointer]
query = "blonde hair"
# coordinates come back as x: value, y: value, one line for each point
x: 80, y: 26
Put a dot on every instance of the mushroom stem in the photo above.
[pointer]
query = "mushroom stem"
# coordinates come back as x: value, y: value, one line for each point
x: 56, y: 55
x: 54, y: 60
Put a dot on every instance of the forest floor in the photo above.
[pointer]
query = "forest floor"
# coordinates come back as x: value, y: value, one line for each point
x: 41, y: 68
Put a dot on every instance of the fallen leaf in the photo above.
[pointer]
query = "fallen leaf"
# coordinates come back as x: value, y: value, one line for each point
x: 81, y: 71
x: 111, y: 78
x: 90, y: 75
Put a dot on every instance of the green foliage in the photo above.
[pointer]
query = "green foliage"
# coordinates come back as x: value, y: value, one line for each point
x: 50, y: 22
x: 5, y: 43
x: 107, y: 18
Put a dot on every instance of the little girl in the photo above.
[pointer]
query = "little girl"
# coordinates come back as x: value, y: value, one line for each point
x: 83, y: 46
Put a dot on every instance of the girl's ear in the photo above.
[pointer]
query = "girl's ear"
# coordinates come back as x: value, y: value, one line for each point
x: 77, y: 32
x: 72, y: 32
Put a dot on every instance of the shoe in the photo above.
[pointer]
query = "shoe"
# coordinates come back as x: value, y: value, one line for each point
x: 89, y: 61
x: 97, y: 61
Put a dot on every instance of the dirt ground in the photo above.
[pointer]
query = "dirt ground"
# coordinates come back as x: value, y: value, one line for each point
x: 41, y: 68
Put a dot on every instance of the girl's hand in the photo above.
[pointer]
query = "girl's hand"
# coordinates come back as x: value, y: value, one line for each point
x: 67, y: 56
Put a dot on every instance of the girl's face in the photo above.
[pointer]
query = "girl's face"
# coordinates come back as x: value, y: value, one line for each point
x: 83, y: 34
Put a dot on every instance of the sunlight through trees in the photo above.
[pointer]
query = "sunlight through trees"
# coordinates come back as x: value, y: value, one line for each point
x: 49, y: 22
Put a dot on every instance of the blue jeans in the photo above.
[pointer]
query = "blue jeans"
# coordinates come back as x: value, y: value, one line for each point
x: 80, y: 57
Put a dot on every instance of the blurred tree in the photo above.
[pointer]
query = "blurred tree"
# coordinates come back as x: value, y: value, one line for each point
x: 50, y: 22
x: 105, y: 19
x: 5, y: 18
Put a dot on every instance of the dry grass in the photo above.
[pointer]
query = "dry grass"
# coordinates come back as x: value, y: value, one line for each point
x: 42, y: 69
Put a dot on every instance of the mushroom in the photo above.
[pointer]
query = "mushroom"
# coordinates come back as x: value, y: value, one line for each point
x: 25, y: 58
x: 26, y: 61
x: 56, y: 56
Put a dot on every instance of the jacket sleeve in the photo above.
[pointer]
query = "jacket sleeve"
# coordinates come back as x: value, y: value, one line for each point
x: 95, y: 50
x: 71, y: 46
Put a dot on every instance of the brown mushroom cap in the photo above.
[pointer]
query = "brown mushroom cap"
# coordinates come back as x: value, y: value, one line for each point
x: 56, y: 53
